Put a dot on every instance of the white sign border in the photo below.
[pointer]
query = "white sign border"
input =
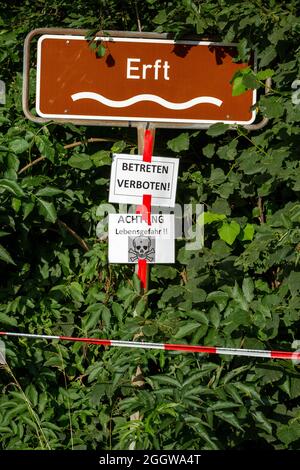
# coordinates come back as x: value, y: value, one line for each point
x: 170, y: 242
x: 134, y: 119
x: 128, y: 199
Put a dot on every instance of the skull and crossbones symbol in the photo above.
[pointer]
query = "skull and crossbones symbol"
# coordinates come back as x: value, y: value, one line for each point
x: 141, y: 249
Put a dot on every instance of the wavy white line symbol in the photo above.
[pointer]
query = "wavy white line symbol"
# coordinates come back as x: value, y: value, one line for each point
x: 146, y: 97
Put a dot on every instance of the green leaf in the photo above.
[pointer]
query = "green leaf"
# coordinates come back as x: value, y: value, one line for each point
x: 217, y: 129
x: 229, y: 231
x: 101, y: 158
x: 76, y: 292
x: 249, y: 390
x: 229, y: 418
x: 5, y: 256
x: 264, y: 74
x: 124, y: 291
x: 202, y: 317
x: 223, y: 405
x: 180, y: 143
x: 101, y: 51
x: 233, y: 373
x: 163, y: 272
x: 16, y: 204
x: 101, y: 181
x: 27, y: 209
x: 250, y: 81
x: 3, y: 120
x: 271, y: 106
x: 7, y: 320
x: 262, y: 421
x: 141, y: 306
x: 92, y: 320
x: 136, y: 283
x: 209, y: 150
x: 217, y: 177
x: 220, y: 206
x: 210, y: 217
x: 12, y: 186
x: 267, y: 55
x: 106, y: 315
x: 45, y: 147
x: 293, y: 282
x: 49, y: 191
x: 242, y: 80
x: 197, y: 177
x: 295, y: 387
x: 172, y: 292
x: 32, y: 394
x: 198, y: 294
x: 220, y: 249
x: 18, y: 410
x: 161, y: 17
x: 228, y: 152
x: 219, y: 297
x: 150, y: 330
x: 19, y: 145
x: 289, y: 433
x: 186, y: 330
x: 239, y: 296
x: 238, y: 86
x: 243, y: 49
x: 165, y: 379
x: 54, y: 361
x: 47, y: 210
x: 247, y: 233
x: 248, y: 289
x: 80, y: 161
x: 119, y: 146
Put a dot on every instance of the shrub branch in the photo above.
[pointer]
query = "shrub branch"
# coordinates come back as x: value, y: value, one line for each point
x: 75, y: 235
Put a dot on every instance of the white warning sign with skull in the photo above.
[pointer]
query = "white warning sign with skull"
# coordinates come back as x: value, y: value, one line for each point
x: 130, y: 238
x: 131, y: 178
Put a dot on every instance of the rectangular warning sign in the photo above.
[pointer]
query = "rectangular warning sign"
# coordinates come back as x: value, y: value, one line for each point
x: 131, y: 178
x: 130, y: 238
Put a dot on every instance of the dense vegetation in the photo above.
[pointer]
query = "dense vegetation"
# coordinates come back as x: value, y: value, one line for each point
x: 241, y: 290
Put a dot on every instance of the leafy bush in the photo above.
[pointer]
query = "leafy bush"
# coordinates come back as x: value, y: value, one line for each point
x: 241, y: 290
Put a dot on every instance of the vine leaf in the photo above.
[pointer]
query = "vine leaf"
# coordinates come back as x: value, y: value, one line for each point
x: 5, y: 256
x: 47, y: 210
x: 229, y: 231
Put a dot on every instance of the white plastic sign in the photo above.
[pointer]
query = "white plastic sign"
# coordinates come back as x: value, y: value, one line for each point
x: 131, y: 178
x: 131, y: 238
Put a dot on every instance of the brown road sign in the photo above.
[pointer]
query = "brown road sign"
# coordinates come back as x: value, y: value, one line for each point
x: 138, y: 79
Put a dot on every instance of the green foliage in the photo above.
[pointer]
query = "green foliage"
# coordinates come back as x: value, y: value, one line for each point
x: 240, y: 290
x: 229, y: 232
x: 179, y: 143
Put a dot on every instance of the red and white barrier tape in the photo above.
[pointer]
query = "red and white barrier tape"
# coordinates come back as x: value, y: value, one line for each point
x: 167, y: 346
